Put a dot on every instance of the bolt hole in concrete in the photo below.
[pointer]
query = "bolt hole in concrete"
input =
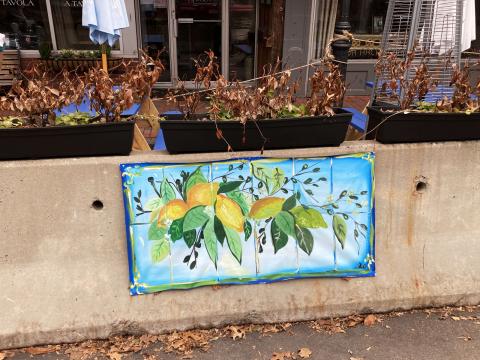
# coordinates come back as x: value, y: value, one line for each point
x: 97, y: 205
x: 420, y: 186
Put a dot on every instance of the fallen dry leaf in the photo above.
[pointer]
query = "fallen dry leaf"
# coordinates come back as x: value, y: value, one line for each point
x: 370, y: 320
x: 236, y: 332
x: 115, y: 356
x: 282, y: 355
x: 455, y: 318
x: 38, y: 350
x: 3, y: 356
x: 304, y: 353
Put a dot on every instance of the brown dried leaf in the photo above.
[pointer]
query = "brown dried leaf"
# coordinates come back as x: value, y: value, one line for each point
x: 304, y: 353
x: 114, y: 356
x: 282, y: 355
x: 38, y: 350
x: 370, y: 320
x: 236, y: 332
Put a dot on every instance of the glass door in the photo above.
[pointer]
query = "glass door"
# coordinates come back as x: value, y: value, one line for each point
x: 198, y: 29
x: 155, y: 34
x: 180, y: 31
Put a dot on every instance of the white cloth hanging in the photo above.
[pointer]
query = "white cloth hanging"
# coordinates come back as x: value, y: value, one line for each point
x: 469, y: 26
x: 2, y: 40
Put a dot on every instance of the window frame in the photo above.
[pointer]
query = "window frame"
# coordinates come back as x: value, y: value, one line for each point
x: 35, y: 53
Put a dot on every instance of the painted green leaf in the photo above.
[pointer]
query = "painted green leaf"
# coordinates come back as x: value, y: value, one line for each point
x: 210, y: 239
x: 286, y: 222
x: 154, y: 204
x: 195, y: 178
x: 219, y: 231
x: 273, y: 178
x: 308, y: 218
x: 195, y: 218
x: 167, y: 191
x: 239, y: 198
x: 229, y: 186
x: 160, y: 250
x: 247, y: 228
x: 234, y: 243
x: 340, y: 229
x: 304, y: 239
x: 190, y: 237
x: 156, y: 233
x: 279, y: 238
x: 176, y: 230
x: 290, y: 203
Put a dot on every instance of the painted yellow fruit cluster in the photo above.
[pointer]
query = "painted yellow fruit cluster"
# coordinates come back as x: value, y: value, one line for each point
x: 229, y: 213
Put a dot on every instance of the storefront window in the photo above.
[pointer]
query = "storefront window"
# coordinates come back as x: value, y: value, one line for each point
x: 242, y: 39
x: 25, y: 23
x: 367, y: 18
x: 69, y: 32
x: 154, y: 29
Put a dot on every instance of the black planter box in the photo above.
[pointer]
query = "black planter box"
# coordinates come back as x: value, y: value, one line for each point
x: 422, y: 127
x: 189, y: 136
x: 66, y: 141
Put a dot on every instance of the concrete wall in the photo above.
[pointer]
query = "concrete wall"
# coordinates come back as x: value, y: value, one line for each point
x: 64, y: 272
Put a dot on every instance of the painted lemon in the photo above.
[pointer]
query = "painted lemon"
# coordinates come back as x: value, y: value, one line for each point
x: 266, y: 208
x: 173, y: 210
x: 229, y: 213
x: 202, y: 194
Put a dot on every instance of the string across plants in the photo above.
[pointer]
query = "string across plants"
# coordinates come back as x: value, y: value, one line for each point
x: 256, y: 115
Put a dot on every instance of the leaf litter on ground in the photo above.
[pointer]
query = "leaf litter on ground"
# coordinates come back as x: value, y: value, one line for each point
x: 184, y: 343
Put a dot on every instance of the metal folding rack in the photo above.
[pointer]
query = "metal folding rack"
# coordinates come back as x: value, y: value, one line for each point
x: 433, y: 29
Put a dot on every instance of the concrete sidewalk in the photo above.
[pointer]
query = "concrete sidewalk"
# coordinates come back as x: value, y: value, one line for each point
x: 417, y: 335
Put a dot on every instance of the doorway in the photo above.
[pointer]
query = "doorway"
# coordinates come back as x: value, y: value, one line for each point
x: 179, y: 31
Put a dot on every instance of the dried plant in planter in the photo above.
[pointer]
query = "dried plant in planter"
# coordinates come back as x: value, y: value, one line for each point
x: 462, y: 99
x: 412, y: 90
x: 186, y: 100
x: 37, y: 98
x: 327, y: 90
x: 272, y: 98
x: 134, y: 84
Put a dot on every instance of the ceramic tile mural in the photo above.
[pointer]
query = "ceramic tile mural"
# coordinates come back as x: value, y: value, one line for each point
x: 248, y: 220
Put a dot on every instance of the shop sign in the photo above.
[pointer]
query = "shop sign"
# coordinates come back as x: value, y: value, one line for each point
x: 73, y: 3
x: 17, y: 3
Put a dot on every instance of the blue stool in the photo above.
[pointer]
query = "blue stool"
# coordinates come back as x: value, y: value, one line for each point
x: 359, y: 120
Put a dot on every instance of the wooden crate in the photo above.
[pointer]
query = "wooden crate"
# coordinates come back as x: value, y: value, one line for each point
x: 9, y: 66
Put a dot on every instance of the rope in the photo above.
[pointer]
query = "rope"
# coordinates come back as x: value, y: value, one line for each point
x: 337, y: 37
x: 379, y: 43
x: 328, y: 56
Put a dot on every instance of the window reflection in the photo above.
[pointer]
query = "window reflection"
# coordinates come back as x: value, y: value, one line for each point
x: 367, y: 18
x: 25, y: 24
x: 154, y: 29
x: 242, y: 39
x: 69, y: 32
